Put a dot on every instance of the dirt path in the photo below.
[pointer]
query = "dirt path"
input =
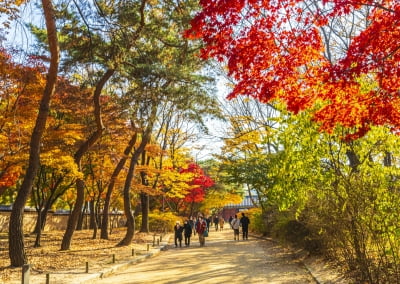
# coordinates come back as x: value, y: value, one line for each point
x: 222, y: 260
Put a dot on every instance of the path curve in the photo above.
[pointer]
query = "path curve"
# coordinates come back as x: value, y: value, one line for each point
x: 222, y: 260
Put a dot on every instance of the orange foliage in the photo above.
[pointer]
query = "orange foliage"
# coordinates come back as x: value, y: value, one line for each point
x: 279, y: 50
x: 21, y: 87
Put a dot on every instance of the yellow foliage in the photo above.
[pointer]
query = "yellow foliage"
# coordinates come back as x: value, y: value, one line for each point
x: 61, y: 162
x: 175, y: 184
x: 217, y: 200
x: 153, y: 150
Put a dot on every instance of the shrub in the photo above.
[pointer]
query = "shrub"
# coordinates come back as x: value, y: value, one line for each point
x: 257, y: 223
x: 161, y: 222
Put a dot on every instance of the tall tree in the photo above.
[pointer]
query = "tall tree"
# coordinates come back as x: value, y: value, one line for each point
x: 101, y: 52
x: 110, y: 188
x: 80, y: 184
x: 145, y: 139
x: 16, y: 237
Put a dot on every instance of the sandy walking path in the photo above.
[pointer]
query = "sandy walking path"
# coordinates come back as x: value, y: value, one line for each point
x: 222, y: 260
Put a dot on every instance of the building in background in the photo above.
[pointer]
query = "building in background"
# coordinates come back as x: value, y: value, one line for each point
x: 247, y: 203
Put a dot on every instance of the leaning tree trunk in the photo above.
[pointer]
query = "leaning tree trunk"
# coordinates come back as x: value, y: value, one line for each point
x: 49, y: 202
x: 16, y: 237
x: 127, y: 197
x: 79, y: 225
x: 107, y: 201
x: 130, y: 220
x: 40, y: 224
x: 42, y: 216
x: 80, y: 183
x: 104, y: 223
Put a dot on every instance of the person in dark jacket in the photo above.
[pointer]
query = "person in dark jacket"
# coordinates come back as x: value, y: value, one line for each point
x: 208, y: 222
x: 230, y: 221
x: 244, y: 222
x: 187, y: 231
x: 178, y: 229
x: 201, y: 227
x: 216, y: 223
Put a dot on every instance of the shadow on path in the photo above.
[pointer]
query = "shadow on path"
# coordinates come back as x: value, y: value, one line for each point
x: 222, y: 260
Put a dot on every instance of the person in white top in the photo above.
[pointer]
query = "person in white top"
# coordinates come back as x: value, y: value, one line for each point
x: 235, y: 226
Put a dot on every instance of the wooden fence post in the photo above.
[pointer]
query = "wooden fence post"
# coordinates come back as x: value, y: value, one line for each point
x: 26, y: 270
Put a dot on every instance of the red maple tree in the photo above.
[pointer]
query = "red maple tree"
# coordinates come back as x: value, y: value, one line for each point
x: 199, y: 184
x: 310, y: 54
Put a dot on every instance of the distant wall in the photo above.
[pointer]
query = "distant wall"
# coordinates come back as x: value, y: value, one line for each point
x: 53, y: 222
x: 227, y: 212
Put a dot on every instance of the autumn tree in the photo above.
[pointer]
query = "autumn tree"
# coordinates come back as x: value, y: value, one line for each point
x: 87, y: 46
x: 20, y: 95
x: 222, y: 192
x: 145, y: 139
x: 58, y: 171
x: 184, y: 185
x: 309, y: 54
x: 55, y: 177
x: 172, y: 77
x: 16, y: 238
x: 113, y: 179
x: 250, y: 145
x: 199, y: 185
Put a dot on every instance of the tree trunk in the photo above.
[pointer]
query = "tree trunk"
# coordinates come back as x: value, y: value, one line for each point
x: 49, y: 203
x: 40, y: 224
x: 43, y: 216
x: 107, y: 201
x: 130, y: 220
x: 80, y: 183
x: 74, y: 216
x: 39, y: 230
x: 16, y: 237
x: 82, y: 215
x: 144, y: 199
x: 92, y: 220
x: 135, y: 158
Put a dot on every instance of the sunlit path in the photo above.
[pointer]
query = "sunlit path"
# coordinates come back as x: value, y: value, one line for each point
x: 222, y: 260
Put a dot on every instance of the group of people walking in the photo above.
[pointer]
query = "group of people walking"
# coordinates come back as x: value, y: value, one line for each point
x: 198, y: 226
x: 236, y: 223
x: 201, y: 227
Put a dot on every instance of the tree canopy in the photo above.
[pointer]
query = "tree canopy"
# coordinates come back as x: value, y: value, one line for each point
x: 310, y: 54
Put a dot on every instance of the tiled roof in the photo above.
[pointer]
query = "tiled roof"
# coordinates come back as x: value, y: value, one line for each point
x: 246, y: 203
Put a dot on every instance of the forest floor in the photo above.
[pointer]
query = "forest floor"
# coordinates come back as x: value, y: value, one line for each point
x: 49, y: 259
x: 102, y: 254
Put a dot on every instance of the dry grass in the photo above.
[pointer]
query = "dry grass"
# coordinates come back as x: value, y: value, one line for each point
x: 48, y: 258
